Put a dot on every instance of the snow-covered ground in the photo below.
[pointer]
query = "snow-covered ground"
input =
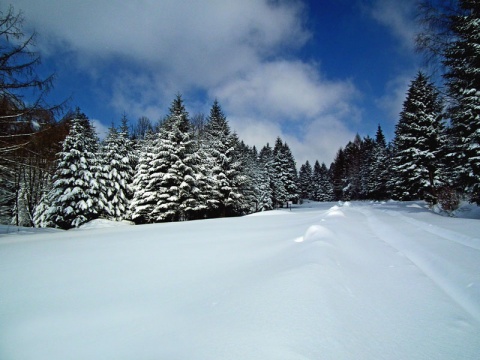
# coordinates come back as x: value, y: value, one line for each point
x: 324, y: 281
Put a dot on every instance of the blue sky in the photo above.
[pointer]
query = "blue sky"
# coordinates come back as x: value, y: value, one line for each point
x: 313, y: 72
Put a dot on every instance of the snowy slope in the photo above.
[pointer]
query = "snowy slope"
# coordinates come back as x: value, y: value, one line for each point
x: 324, y: 281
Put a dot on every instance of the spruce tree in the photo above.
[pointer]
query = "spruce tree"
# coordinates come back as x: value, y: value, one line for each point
x: 352, y: 181
x: 338, y: 171
x: 418, y: 143
x: 291, y: 180
x: 117, y: 171
x: 266, y: 160
x: 241, y: 175
x: 379, y: 168
x: 225, y: 170
x: 279, y: 179
x: 143, y: 197
x: 367, y: 151
x: 322, y: 185
x: 462, y: 60
x: 305, y: 181
x: 173, y: 173
x: 260, y: 179
x: 76, y: 195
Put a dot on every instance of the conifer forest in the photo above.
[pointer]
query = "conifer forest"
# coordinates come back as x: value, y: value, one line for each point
x: 55, y: 172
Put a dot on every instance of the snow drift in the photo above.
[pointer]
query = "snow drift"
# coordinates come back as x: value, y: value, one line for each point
x: 324, y: 281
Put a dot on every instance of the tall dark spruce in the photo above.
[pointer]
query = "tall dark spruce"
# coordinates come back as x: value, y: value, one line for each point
x: 462, y: 60
x: 418, y: 144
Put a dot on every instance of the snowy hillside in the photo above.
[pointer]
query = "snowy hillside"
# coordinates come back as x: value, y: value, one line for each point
x: 324, y: 281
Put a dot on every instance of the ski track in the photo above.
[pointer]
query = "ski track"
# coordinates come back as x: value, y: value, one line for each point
x: 454, y: 278
x: 447, y: 234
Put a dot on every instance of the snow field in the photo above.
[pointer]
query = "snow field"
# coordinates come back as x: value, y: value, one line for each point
x: 324, y: 281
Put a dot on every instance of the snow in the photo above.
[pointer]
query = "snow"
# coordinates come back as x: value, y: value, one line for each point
x: 352, y: 280
x: 103, y: 223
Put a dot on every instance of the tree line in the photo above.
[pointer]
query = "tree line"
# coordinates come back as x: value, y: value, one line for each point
x: 172, y: 173
x: 57, y: 172
x: 435, y: 153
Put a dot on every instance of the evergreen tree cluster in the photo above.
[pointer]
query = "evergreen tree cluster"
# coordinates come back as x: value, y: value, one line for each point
x: 175, y: 172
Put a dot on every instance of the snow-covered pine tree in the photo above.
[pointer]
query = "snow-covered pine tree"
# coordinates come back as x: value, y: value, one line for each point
x: 352, y: 187
x: 266, y: 160
x: 462, y: 60
x: 291, y: 181
x: 173, y: 172
x: 305, y: 181
x: 417, y: 143
x: 225, y: 173
x: 259, y: 182
x: 366, y: 160
x: 322, y: 185
x: 76, y: 194
x: 143, y: 198
x: 117, y: 171
x: 241, y: 175
x: 40, y: 215
x: 279, y: 179
x: 377, y: 186
x: 338, y: 171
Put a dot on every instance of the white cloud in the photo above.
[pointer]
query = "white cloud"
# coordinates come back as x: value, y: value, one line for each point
x: 100, y: 128
x: 283, y: 94
x: 285, y: 89
x: 190, y: 42
x: 323, y: 137
x: 319, y: 140
x: 395, y: 95
x: 229, y: 49
x: 399, y: 17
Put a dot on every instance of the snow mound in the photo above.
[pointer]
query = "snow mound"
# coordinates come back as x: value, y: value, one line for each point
x: 270, y: 213
x: 335, y: 211
x: 467, y: 211
x: 416, y: 206
x: 104, y: 223
x: 315, y: 233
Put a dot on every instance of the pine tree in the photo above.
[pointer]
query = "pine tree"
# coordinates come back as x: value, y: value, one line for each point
x: 173, y: 173
x: 322, y: 185
x: 291, y: 180
x: 76, y: 194
x: 377, y: 187
x: 266, y: 159
x: 352, y: 186
x: 40, y: 215
x: 279, y: 178
x: 367, y: 151
x: 225, y: 164
x: 260, y: 182
x: 338, y: 171
x: 462, y: 60
x: 241, y: 173
x: 143, y: 198
x: 417, y: 143
x: 117, y: 171
x: 305, y: 181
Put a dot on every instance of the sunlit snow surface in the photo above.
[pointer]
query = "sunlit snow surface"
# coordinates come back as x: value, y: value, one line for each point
x: 323, y: 281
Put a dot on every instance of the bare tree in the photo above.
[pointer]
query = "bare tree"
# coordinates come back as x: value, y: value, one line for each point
x: 141, y: 128
x: 24, y: 113
x: 434, y: 17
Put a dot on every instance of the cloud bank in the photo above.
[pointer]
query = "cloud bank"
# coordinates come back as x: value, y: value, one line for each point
x: 239, y: 51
